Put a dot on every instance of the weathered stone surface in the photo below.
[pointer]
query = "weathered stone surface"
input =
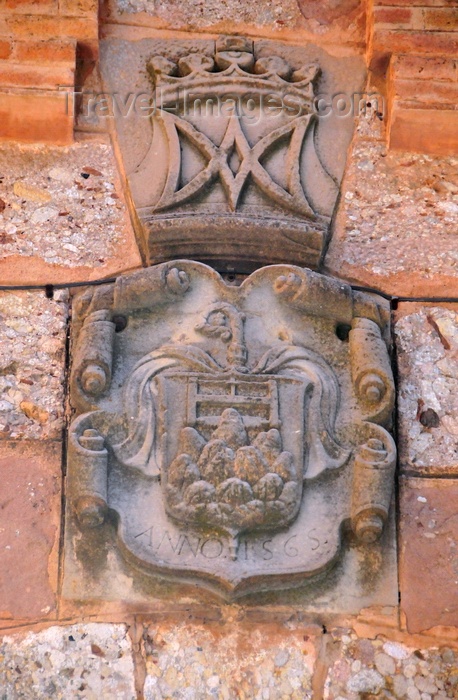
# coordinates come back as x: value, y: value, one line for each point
x: 427, y: 345
x: 326, y: 13
x: 33, y: 333
x: 190, y: 16
x: 79, y: 661
x: 30, y: 475
x: 337, y: 23
x: 380, y: 668
x: 396, y: 225
x: 218, y: 488
x: 193, y: 662
x: 62, y: 216
x: 226, y: 156
x: 429, y: 544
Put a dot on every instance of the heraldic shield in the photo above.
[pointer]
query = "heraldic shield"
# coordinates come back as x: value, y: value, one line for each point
x: 211, y: 437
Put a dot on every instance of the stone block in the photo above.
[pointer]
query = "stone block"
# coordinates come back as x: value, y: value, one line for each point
x: 30, y: 474
x: 382, y: 668
x: 429, y: 552
x: 227, y: 661
x: 79, y: 661
x: 427, y: 345
x: 189, y: 16
x: 32, y: 365
x: 340, y: 12
x: 230, y: 164
x: 409, y: 250
x: 341, y: 23
x: 63, y: 215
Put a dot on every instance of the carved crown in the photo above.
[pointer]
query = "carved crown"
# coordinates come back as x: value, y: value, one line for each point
x: 233, y: 69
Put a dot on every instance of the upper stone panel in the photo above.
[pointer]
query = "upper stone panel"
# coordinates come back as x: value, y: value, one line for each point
x: 226, y: 157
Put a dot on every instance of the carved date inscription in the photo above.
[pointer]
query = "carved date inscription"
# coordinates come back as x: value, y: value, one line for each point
x: 211, y: 547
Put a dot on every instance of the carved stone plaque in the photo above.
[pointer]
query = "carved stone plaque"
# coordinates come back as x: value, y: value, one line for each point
x: 228, y: 157
x: 232, y: 439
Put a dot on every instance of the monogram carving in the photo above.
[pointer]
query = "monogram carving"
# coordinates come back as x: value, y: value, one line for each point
x: 226, y: 436
x: 232, y: 164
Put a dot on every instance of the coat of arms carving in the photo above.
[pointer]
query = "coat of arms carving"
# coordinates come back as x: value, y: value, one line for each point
x: 229, y: 437
x: 227, y: 161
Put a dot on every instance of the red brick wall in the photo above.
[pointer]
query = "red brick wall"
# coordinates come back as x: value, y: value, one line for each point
x: 40, y: 41
x: 420, y: 41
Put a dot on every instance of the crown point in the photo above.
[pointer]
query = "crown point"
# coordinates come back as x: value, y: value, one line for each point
x: 158, y: 65
x: 273, y: 64
x: 234, y: 43
x: 195, y: 63
x: 306, y: 74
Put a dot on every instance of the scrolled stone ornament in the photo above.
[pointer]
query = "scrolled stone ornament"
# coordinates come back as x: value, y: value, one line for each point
x: 373, y: 473
x: 94, y: 354
x: 371, y: 370
x: 90, y: 480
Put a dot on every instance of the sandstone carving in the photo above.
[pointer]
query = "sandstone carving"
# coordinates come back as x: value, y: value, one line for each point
x: 231, y: 164
x: 229, y: 436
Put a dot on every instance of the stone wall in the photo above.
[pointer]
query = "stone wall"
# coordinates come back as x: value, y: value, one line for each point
x: 230, y: 651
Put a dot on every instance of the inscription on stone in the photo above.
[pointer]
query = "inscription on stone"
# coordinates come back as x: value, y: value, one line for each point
x: 213, y: 547
x: 229, y: 436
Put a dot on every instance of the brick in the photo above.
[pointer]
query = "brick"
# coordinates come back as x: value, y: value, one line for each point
x: 441, y: 19
x: 5, y: 49
x: 429, y: 552
x: 35, y: 116
x: 393, y: 15
x: 427, y: 92
x: 30, y: 474
x: 428, y: 43
x: 432, y: 131
x: 423, y: 68
x: 30, y: 7
x: 19, y: 75
x: 37, y: 27
x: 52, y: 51
x: 78, y: 8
